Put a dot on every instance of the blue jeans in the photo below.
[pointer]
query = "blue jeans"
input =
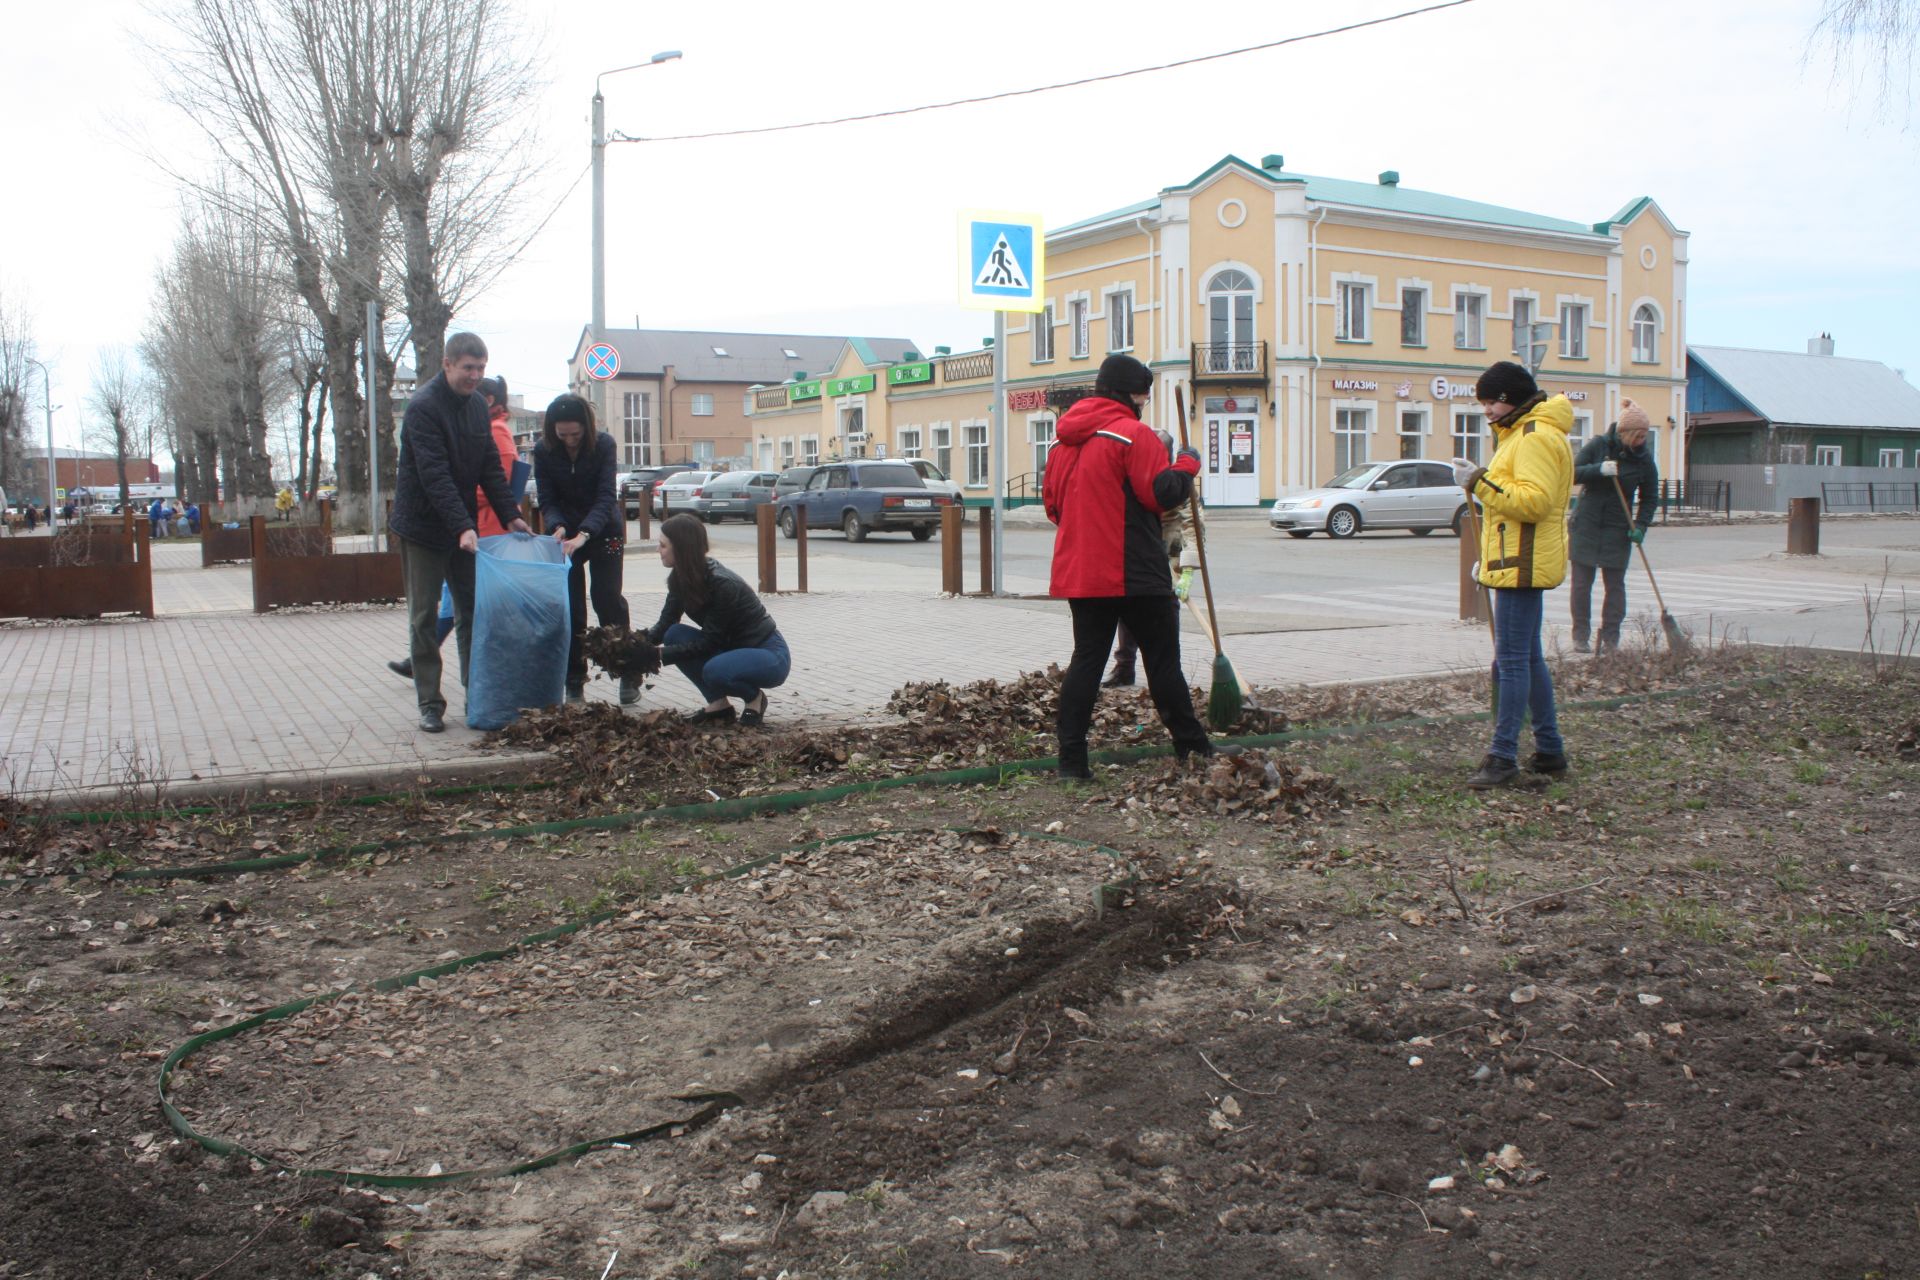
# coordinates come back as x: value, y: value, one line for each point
x: 733, y: 673
x: 1525, y: 684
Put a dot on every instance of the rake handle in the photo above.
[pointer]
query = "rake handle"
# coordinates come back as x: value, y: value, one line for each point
x: 1651, y: 580
x: 1199, y: 542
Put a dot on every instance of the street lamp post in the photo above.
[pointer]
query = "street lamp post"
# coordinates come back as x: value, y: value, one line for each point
x: 47, y: 380
x: 600, y: 187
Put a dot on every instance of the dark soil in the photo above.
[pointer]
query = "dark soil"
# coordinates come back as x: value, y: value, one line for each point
x: 1653, y: 1019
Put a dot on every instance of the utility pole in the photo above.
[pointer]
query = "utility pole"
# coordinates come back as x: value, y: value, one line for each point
x: 47, y: 382
x: 373, y: 420
x: 600, y: 187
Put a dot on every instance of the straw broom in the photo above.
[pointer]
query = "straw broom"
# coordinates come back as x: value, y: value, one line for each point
x: 1224, y: 699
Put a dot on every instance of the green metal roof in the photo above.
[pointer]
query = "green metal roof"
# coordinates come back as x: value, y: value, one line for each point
x: 1386, y: 199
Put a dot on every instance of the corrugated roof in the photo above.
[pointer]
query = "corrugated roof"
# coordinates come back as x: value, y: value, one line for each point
x: 1791, y: 388
x: 749, y: 358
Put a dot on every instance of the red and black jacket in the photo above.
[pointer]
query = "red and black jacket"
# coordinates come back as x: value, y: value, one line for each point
x: 1108, y: 481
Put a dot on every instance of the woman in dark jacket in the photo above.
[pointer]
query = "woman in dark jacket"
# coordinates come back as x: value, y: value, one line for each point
x: 1600, y: 535
x: 736, y: 651
x: 573, y: 469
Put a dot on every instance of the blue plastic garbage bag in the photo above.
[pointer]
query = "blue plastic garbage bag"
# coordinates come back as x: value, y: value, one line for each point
x: 521, y: 628
x: 446, y: 602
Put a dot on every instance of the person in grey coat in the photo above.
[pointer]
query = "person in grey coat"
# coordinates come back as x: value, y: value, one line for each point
x: 1601, y: 537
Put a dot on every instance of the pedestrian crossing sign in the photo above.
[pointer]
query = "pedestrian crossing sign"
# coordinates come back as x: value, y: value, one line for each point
x: 1003, y: 261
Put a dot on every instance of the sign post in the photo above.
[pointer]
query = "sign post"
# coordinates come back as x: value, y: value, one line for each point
x: 1003, y: 267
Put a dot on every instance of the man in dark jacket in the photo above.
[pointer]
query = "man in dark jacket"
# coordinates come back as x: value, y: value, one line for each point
x: 1108, y: 482
x: 1601, y: 536
x: 447, y: 454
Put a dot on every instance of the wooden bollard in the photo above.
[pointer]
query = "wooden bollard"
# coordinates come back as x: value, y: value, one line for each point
x: 800, y: 544
x: 1803, y: 526
x: 951, y: 580
x: 763, y: 527
x: 986, y: 553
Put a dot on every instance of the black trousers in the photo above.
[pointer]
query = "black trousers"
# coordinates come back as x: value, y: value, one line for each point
x: 1125, y: 650
x: 1613, y: 604
x: 1155, y: 624
x: 609, y: 605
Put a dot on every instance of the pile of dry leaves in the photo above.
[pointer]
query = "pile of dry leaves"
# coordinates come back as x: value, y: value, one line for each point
x: 1259, y: 785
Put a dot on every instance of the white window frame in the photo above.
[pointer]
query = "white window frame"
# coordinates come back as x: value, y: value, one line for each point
x: 1893, y: 458
x: 907, y: 440
x: 1040, y: 429
x: 1353, y: 418
x: 1514, y: 299
x: 973, y: 441
x: 786, y: 453
x: 1425, y: 291
x: 849, y: 412
x: 1079, y: 325
x: 1794, y: 455
x: 1352, y: 311
x: 1455, y: 436
x: 1042, y: 326
x: 1582, y: 430
x: 1119, y: 304
x: 940, y: 441
x: 810, y: 451
x: 1573, y: 336
x: 1423, y: 414
x: 746, y: 404
x: 696, y: 399
x: 1462, y: 313
x: 1650, y: 353
x: 1827, y: 455
x: 636, y: 430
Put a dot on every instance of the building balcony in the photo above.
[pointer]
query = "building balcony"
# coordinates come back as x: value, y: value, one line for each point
x: 1239, y: 363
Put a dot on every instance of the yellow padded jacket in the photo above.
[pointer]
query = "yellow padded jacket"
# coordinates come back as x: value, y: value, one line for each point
x: 1523, y: 493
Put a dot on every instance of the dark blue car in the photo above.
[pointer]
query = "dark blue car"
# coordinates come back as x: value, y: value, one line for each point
x: 860, y: 497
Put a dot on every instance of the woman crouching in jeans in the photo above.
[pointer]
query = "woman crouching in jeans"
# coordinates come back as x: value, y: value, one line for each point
x: 736, y: 651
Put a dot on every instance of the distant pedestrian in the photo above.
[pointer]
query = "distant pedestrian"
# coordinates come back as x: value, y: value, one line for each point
x: 193, y: 518
x: 1523, y: 492
x: 447, y: 458
x: 33, y: 517
x: 283, y: 503
x: 1108, y: 483
x: 1602, y: 536
x: 574, y: 468
x: 736, y: 651
x: 157, y: 517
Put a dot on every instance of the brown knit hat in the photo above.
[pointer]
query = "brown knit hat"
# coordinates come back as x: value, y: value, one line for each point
x: 1632, y: 417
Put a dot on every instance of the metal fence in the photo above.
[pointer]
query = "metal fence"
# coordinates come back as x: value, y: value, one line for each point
x: 1693, y: 497
x: 1871, y: 495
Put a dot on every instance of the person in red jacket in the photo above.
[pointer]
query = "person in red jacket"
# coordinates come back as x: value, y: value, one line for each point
x: 1107, y: 484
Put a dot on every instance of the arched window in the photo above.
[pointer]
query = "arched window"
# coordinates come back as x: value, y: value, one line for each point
x: 1646, y: 334
x: 1230, y: 344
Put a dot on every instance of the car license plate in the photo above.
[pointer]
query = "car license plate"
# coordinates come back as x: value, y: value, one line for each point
x: 919, y: 502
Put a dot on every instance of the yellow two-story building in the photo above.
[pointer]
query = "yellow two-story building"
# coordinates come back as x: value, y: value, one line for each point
x: 1311, y: 323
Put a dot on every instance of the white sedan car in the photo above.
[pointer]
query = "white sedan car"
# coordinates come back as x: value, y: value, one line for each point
x: 938, y: 481
x: 1420, y: 496
x: 676, y: 492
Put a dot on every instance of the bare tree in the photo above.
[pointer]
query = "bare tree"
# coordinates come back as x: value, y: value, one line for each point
x: 1882, y: 32
x: 16, y: 354
x: 307, y: 373
x: 113, y: 400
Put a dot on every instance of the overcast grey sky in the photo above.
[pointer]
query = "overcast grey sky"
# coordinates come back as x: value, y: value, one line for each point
x: 1801, y: 203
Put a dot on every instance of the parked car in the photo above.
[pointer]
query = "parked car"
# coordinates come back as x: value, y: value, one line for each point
x: 676, y: 492
x: 636, y: 486
x: 1420, y: 496
x: 862, y: 497
x: 938, y: 481
x: 736, y: 493
x: 791, y: 480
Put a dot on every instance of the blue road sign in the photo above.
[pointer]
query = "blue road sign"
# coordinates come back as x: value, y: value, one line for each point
x: 1003, y: 259
x: 602, y: 361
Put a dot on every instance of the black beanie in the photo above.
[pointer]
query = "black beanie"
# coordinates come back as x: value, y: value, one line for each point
x: 1122, y: 376
x: 1505, y: 380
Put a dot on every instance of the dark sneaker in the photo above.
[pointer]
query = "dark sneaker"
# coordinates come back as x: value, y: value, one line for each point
x: 1122, y: 678
x: 1076, y: 771
x: 402, y: 668
x: 431, y: 722
x: 1580, y: 645
x: 1493, y: 772
x: 629, y: 691
x: 1551, y: 763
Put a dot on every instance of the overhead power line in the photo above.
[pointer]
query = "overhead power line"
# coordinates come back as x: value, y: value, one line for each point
x: 1047, y: 88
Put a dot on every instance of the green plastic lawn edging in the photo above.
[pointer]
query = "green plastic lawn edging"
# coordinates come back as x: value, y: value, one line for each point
x: 711, y: 1103
x: 99, y: 817
x: 739, y: 807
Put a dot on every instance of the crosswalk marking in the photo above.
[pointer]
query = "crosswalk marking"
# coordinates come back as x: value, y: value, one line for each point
x: 1690, y: 593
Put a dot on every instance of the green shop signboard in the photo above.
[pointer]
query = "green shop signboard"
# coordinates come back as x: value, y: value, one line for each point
x: 850, y: 386
x: 902, y: 375
x: 805, y: 391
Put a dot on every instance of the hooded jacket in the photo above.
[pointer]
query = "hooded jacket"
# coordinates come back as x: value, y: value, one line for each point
x: 1599, y: 527
x: 1523, y: 493
x: 1108, y: 482
x: 486, y: 520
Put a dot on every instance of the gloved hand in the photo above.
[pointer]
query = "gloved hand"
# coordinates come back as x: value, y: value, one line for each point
x: 1609, y: 468
x: 1474, y: 572
x: 1637, y: 535
x: 1184, y: 585
x: 1187, y: 460
x: 1463, y: 471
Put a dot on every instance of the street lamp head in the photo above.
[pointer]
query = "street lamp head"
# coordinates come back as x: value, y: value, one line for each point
x: 669, y: 55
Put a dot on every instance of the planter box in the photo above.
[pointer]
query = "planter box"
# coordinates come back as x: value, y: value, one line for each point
x: 116, y: 575
x: 296, y: 565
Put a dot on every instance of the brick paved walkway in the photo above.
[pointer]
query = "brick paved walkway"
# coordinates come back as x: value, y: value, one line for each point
x: 303, y: 696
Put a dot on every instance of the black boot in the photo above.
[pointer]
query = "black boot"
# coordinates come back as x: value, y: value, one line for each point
x: 1122, y: 677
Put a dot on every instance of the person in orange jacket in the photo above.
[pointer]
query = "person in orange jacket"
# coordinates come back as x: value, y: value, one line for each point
x: 486, y: 521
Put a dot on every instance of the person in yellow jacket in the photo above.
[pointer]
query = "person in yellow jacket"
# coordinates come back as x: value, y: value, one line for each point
x: 283, y: 502
x: 1523, y: 492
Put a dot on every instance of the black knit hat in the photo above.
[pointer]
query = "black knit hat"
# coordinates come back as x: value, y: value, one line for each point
x: 1122, y: 376
x: 1505, y: 380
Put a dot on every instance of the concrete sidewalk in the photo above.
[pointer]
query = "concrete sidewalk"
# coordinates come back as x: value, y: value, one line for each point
x: 289, y: 698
